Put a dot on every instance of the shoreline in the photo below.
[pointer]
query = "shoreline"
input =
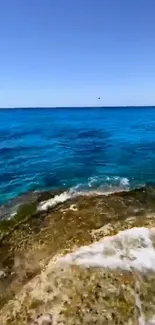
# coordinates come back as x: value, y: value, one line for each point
x: 43, y: 196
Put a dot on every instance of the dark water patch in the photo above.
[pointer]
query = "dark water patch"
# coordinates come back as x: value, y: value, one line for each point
x: 10, y: 151
x: 16, y: 135
x: 7, y: 150
x: 146, y: 146
x: 91, y: 151
x: 140, y: 146
x: 73, y: 134
x: 67, y: 132
x: 18, y: 150
x: 5, y: 135
x: 93, y: 134
x: 7, y: 177
x: 51, y: 181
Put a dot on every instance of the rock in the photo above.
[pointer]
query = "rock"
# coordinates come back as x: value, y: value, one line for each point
x: 43, y: 319
x: 2, y: 274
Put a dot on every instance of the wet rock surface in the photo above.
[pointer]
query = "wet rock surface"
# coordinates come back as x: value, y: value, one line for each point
x: 32, y: 281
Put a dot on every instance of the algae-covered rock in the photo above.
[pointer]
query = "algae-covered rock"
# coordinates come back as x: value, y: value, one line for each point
x: 23, y: 212
x: 37, y: 282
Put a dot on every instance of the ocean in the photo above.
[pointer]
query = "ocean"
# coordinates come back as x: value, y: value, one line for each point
x: 70, y: 253
x: 84, y: 149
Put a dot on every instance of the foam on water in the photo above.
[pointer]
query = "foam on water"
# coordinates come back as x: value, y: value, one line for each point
x: 55, y: 200
x: 65, y: 196
x: 118, y: 180
x: 128, y: 250
x: 125, y: 181
x: 104, y: 182
x: 114, y: 184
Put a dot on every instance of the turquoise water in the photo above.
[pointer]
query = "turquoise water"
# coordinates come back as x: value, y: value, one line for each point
x: 85, y: 149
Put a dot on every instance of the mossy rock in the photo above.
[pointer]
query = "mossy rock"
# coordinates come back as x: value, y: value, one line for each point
x: 24, y: 211
x: 7, y: 224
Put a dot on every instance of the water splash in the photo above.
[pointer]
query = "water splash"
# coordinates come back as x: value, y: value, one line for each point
x: 95, y: 186
x: 61, y: 198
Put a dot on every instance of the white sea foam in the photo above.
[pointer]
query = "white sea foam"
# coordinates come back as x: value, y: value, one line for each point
x: 110, y: 185
x: 103, y: 185
x: 55, y: 200
x: 63, y: 197
x: 108, y: 180
x: 124, y: 181
x: 92, y: 181
x: 128, y: 250
x: 119, y: 181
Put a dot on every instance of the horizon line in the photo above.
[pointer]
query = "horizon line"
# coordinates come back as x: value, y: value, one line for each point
x: 80, y: 107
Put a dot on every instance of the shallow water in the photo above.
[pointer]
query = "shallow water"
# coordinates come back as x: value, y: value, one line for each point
x: 87, y: 149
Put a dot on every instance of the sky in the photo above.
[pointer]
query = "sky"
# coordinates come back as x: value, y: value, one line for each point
x: 70, y: 52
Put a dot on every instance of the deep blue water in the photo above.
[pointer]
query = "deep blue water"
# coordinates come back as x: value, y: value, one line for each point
x: 89, y: 148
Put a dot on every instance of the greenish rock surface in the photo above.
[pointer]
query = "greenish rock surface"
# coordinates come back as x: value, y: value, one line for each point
x: 33, y: 279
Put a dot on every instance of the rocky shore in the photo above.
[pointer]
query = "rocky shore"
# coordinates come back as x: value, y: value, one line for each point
x: 44, y: 270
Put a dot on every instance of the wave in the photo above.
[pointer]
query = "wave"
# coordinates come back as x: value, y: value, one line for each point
x: 109, y: 181
x: 95, y: 186
x: 112, y: 185
x: 61, y: 198
x: 105, y: 184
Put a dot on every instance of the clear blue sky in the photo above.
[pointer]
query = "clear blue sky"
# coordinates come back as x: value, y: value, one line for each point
x: 69, y: 52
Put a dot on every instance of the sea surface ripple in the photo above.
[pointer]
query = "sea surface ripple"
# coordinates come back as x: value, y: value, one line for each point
x: 81, y: 148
